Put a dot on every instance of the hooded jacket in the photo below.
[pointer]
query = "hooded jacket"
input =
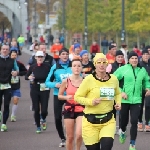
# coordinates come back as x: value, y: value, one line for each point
x: 133, y: 81
x: 57, y: 74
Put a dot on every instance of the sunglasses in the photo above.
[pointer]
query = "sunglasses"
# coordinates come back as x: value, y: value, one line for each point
x: 102, y: 63
x: 40, y: 56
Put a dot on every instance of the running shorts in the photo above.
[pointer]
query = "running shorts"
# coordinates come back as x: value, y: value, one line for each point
x: 16, y: 93
x: 92, y: 133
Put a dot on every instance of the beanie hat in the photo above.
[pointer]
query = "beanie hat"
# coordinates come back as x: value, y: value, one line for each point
x: 77, y: 45
x: 145, y: 51
x: 132, y: 53
x: 83, y: 52
x: 64, y: 50
x: 98, y: 56
x: 119, y: 52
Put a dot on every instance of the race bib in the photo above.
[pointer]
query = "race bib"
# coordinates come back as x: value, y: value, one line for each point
x: 14, y: 80
x: 107, y: 93
x: 43, y: 87
x: 5, y: 86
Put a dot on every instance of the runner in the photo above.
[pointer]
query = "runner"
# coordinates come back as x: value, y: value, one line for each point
x: 134, y: 78
x: 60, y: 71
x: 48, y: 59
x: 55, y: 48
x: 37, y: 74
x: 8, y: 68
x: 87, y: 66
x: 21, y: 41
x: 73, y: 111
x: 76, y: 52
x: 146, y: 64
x: 97, y: 92
x: 71, y: 49
x: 111, y: 54
x: 111, y: 69
x: 15, y: 85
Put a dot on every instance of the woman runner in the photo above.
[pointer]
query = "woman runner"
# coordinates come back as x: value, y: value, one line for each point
x: 73, y: 111
x: 98, y: 92
x: 37, y: 74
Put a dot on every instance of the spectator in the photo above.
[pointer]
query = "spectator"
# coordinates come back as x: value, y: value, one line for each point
x: 51, y: 39
x: 136, y: 50
x: 104, y: 45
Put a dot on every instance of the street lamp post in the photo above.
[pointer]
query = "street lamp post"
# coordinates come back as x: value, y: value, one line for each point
x: 63, y: 18
x: 48, y: 11
x: 85, y: 25
x: 123, y: 22
x: 28, y: 20
x: 20, y: 16
x: 35, y: 19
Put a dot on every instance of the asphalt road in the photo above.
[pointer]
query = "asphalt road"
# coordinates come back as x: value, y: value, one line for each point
x: 21, y: 134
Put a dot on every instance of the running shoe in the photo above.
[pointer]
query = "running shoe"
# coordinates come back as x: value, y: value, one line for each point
x: 147, y: 128
x: 38, y: 130
x: 13, y: 118
x: 132, y: 147
x: 140, y: 127
x: 3, y: 128
x: 119, y: 132
x: 0, y: 116
x: 44, y: 125
x: 122, y: 138
x: 63, y: 143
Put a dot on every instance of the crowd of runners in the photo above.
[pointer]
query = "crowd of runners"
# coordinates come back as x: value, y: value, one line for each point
x: 87, y: 92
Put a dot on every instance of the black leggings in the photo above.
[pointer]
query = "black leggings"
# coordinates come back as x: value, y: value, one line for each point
x: 134, y: 113
x: 7, y: 98
x: 141, y: 111
x: 58, y: 105
x: 147, y: 114
x: 40, y: 99
x: 106, y: 143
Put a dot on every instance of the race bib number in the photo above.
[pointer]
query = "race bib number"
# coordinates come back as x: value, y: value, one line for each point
x: 5, y: 86
x: 14, y: 80
x: 43, y: 87
x: 107, y: 93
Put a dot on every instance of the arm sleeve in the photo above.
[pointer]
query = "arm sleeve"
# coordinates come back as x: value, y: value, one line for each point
x: 50, y: 83
x: 16, y: 68
x: 81, y: 93
x: 29, y: 72
x: 22, y: 70
x: 117, y: 93
x: 146, y: 81
x: 52, y: 49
